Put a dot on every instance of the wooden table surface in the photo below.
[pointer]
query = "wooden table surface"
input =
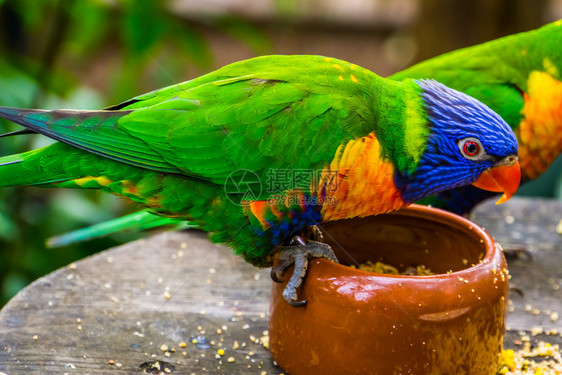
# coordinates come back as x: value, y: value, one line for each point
x: 172, y: 302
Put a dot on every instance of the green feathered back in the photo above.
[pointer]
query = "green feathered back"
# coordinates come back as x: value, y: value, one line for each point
x: 262, y: 115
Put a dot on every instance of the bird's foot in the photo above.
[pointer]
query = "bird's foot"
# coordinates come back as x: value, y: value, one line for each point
x: 298, y: 253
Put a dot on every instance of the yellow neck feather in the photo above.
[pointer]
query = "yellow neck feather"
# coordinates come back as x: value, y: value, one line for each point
x: 363, y: 181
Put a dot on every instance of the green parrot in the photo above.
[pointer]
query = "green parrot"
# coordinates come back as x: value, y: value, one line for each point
x: 261, y: 151
x: 520, y: 78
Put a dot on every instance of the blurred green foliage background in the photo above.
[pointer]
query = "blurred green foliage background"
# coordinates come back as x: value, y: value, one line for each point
x: 88, y: 54
x: 144, y: 45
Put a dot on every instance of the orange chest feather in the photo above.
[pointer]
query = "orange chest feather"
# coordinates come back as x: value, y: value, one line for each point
x: 540, y: 131
x: 357, y: 183
x: 363, y: 183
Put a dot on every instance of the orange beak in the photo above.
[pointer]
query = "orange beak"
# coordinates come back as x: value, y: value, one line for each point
x: 504, y: 178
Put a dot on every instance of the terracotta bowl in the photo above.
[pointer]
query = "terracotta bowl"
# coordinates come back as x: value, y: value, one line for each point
x: 357, y: 322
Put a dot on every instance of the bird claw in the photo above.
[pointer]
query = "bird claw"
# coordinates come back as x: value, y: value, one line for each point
x: 299, y: 256
x: 296, y: 303
x: 277, y: 272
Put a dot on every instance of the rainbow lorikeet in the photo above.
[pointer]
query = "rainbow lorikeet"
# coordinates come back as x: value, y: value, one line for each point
x: 260, y: 151
x: 517, y: 76
x: 520, y: 78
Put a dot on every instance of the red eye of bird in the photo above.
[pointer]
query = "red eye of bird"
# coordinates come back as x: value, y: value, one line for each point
x: 471, y: 148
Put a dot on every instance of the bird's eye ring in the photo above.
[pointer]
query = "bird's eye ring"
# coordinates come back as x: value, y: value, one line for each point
x: 471, y: 148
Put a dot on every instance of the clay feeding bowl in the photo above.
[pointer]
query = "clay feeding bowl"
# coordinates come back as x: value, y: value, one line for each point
x: 358, y: 322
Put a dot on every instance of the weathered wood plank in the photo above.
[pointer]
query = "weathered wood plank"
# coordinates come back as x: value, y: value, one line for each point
x: 128, y: 309
x: 113, y: 312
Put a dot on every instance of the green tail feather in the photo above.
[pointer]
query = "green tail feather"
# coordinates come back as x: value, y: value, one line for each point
x: 10, y: 159
x: 16, y: 170
x: 135, y: 222
x: 34, y: 167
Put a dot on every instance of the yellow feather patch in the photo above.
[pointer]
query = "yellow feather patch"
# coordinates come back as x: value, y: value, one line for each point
x: 550, y: 68
x: 364, y: 184
x: 102, y: 181
x: 540, y: 131
x: 338, y: 67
